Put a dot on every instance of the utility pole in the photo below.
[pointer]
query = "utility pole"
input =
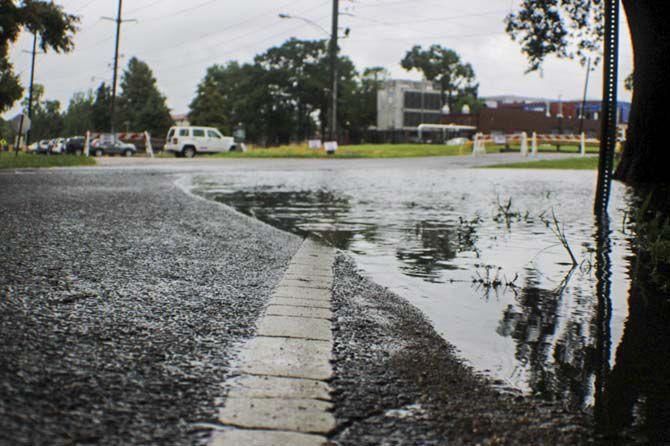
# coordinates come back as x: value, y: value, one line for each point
x: 116, y: 67
x: 118, y: 21
x: 32, y: 82
x: 333, y: 70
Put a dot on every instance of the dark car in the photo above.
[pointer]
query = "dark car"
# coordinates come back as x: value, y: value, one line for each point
x: 75, y: 146
x: 114, y: 148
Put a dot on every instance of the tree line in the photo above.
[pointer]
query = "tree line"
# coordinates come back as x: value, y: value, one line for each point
x: 284, y: 94
x: 140, y: 107
x: 281, y: 97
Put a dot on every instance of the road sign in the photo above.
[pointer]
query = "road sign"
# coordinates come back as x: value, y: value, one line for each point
x: 18, y: 126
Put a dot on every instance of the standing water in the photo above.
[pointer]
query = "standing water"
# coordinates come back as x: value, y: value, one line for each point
x: 480, y: 253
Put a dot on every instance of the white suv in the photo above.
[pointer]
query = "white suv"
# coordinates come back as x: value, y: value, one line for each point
x: 188, y: 141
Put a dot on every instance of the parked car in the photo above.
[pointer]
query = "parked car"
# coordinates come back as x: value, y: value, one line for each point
x: 189, y: 141
x: 75, y: 145
x: 113, y: 148
x: 42, y: 146
x: 57, y: 146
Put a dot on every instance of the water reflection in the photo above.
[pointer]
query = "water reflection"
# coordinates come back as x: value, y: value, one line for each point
x: 595, y: 337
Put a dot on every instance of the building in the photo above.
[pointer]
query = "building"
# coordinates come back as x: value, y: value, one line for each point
x: 181, y: 120
x: 567, y: 109
x: 402, y: 105
x: 516, y: 120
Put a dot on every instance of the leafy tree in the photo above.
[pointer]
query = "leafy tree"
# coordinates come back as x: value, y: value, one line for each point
x: 47, y: 122
x: 208, y: 108
x: 53, y: 25
x: 141, y: 105
x: 101, y: 110
x: 363, y: 106
x: 278, y: 98
x: 6, y: 132
x: 78, y: 118
x: 444, y: 66
x: 573, y: 28
x: 298, y: 70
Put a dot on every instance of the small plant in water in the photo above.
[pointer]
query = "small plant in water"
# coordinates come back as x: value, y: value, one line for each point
x: 505, y: 212
x: 491, y: 278
x: 559, y: 232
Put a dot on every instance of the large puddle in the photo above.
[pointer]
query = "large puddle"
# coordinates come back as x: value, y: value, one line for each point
x: 478, y: 252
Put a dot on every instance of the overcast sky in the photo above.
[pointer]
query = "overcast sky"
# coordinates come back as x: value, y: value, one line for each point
x: 179, y: 39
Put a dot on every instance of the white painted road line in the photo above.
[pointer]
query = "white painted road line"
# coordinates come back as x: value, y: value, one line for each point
x: 282, y: 397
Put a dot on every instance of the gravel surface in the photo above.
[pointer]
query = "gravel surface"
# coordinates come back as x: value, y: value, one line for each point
x: 122, y: 303
x: 397, y: 382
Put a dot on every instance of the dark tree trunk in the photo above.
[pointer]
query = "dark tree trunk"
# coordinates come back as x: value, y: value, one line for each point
x: 646, y: 157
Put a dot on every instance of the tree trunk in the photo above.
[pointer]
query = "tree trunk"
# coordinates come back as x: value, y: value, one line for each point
x: 646, y: 157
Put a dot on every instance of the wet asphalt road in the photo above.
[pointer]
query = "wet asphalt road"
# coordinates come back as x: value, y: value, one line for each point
x: 122, y: 300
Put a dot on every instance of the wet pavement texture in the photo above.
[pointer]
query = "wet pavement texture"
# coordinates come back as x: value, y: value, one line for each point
x: 123, y: 301
x: 477, y: 252
x: 397, y: 382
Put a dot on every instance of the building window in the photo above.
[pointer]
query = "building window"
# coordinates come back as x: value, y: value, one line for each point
x: 430, y: 100
x: 413, y: 119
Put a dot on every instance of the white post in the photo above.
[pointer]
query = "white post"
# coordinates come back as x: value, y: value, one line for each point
x: 87, y: 143
x: 534, y: 145
x: 582, y: 144
x: 524, y: 144
x: 149, y: 149
x: 479, y: 145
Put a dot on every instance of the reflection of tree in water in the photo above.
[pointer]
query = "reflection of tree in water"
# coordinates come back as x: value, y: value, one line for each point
x: 301, y: 212
x: 632, y: 398
x: 568, y: 354
x: 427, y: 249
x: 555, y: 351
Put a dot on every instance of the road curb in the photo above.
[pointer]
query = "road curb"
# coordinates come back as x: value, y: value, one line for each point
x: 282, y: 396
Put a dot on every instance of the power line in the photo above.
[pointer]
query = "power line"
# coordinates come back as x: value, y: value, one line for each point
x: 435, y: 19
x: 232, y: 26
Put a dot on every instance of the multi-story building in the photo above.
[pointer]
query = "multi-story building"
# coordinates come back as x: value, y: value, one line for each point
x: 403, y: 104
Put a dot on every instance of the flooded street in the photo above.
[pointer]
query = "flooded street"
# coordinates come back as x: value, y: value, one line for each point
x: 479, y: 252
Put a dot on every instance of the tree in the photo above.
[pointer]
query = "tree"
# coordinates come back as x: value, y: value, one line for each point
x: 278, y: 98
x: 298, y: 71
x: 573, y: 28
x: 78, y: 118
x: 444, y: 66
x: 55, y: 28
x: 141, y: 105
x: 47, y: 122
x: 101, y: 110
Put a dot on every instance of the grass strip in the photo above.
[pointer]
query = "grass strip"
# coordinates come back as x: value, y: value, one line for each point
x: 577, y: 163
x: 8, y: 160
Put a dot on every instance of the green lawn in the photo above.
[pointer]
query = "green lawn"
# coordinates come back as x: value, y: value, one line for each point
x: 577, y: 163
x: 9, y: 161
x: 358, y: 151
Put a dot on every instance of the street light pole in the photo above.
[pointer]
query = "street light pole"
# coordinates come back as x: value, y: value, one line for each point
x: 333, y: 71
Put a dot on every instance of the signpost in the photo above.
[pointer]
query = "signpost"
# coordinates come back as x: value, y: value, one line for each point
x: 21, y: 125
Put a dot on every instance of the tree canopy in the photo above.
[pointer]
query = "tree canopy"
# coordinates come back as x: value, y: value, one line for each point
x: 444, y: 66
x: 282, y: 96
x: 54, y: 27
x: 573, y: 28
x: 141, y: 106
